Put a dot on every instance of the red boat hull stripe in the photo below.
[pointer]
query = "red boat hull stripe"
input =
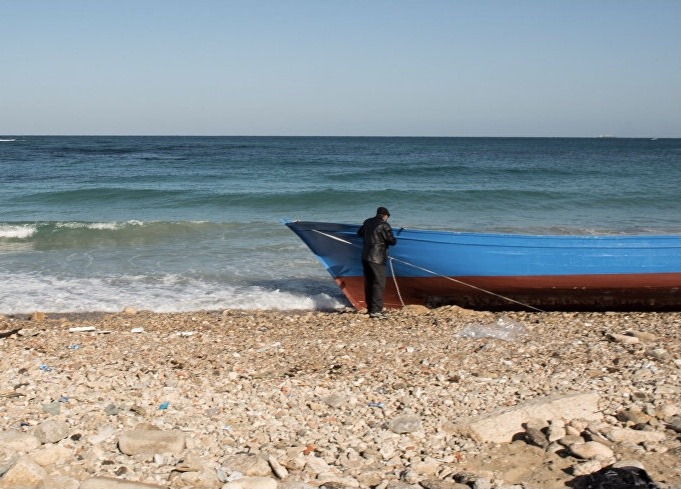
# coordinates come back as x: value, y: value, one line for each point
x: 655, y: 291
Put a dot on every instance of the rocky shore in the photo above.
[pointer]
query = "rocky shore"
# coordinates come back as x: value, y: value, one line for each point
x: 436, y: 399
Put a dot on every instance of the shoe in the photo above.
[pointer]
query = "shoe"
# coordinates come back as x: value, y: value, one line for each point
x: 378, y: 315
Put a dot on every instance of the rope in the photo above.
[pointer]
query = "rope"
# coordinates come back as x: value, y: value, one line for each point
x: 397, y: 287
x: 391, y: 259
x: 466, y: 284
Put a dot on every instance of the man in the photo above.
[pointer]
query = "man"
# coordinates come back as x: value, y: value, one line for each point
x: 377, y: 235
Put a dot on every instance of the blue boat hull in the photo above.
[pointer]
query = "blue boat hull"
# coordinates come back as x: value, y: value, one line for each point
x: 501, y: 271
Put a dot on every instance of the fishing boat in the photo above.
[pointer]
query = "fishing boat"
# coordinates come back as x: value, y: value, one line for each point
x: 507, y: 271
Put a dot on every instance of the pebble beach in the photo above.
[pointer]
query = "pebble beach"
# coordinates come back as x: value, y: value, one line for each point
x: 433, y: 398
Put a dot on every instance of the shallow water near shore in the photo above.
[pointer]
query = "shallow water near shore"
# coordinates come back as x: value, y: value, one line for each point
x: 187, y: 223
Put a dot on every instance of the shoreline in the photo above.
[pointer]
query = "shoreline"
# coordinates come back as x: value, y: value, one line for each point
x: 316, y: 395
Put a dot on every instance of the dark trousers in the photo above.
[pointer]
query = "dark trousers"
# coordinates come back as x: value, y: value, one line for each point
x: 374, y: 284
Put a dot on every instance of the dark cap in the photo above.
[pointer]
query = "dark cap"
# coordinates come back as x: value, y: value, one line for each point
x: 382, y: 211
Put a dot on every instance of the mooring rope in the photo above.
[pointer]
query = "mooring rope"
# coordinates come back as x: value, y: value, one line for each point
x: 399, y: 295
x: 397, y: 287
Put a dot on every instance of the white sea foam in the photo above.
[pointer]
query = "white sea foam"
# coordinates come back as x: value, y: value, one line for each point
x: 23, y: 293
x: 17, y: 231
x: 98, y: 225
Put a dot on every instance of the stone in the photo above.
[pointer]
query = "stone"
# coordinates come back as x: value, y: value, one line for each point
x: 334, y: 400
x: 628, y: 435
x: 7, y: 459
x: 58, y: 482
x: 53, y: 408
x: 591, y: 450
x: 19, y: 441
x: 139, y: 441
x: 335, y: 481
x: 675, y: 424
x: 667, y: 411
x: 316, y: 465
x: 4, y: 333
x: 205, y: 478
x: 659, y: 354
x: 38, y: 316
x: 556, y: 430
x: 278, y: 469
x: 629, y: 463
x: 104, y: 433
x: 440, y: 484
x: 482, y: 483
x: 622, y: 338
x: 416, y: 309
x: 191, y: 462
x: 51, y: 431
x: 113, y: 483
x: 536, y: 437
x: 405, y: 423
x: 248, y: 464
x: 643, y: 336
x: 51, y: 454
x: 252, y: 483
x: 586, y: 468
x: 425, y: 467
x: 24, y: 474
x: 568, y: 440
x: 296, y: 484
x: 633, y: 415
x: 501, y: 425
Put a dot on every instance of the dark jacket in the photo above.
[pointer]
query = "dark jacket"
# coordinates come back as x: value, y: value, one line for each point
x: 377, y: 235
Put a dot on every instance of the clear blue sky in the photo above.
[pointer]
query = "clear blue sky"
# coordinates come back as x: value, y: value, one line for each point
x: 341, y: 67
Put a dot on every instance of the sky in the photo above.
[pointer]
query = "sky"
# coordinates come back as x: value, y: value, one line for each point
x: 517, y: 68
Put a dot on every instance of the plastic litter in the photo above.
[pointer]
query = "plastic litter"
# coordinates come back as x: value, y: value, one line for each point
x: 64, y: 399
x: 612, y: 477
x: 164, y: 405
x: 375, y: 404
x: 45, y: 368
x: 73, y: 347
x: 82, y: 329
x: 185, y: 333
x: 137, y: 330
x: 502, y: 329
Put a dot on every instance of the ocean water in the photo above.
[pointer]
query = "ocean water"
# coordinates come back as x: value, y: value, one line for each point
x: 188, y: 223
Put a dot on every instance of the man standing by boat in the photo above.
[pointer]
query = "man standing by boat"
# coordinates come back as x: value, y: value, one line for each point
x: 377, y: 235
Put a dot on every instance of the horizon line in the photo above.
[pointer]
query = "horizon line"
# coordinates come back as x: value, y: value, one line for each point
x: 600, y: 136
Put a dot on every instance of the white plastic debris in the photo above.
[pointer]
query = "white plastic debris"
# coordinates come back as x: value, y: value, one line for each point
x: 501, y: 329
x: 82, y: 329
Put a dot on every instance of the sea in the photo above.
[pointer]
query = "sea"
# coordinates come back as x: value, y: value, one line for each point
x: 172, y: 224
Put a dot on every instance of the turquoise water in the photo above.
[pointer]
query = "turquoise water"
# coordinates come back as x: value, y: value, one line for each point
x: 186, y: 223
